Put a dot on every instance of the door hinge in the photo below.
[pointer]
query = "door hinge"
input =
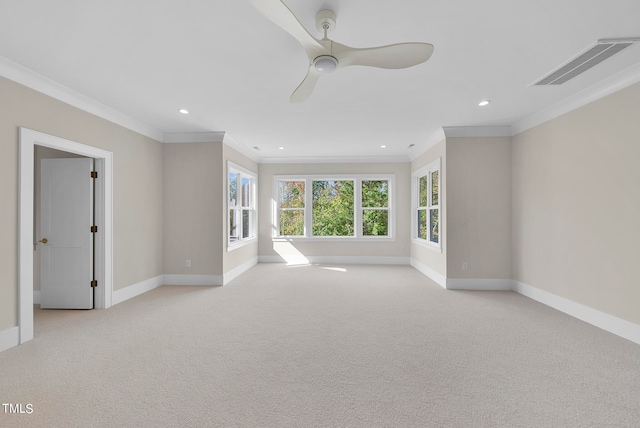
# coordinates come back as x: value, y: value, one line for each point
x: 94, y: 174
x: 94, y: 283
x: 94, y: 229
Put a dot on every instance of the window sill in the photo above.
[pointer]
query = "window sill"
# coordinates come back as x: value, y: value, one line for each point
x: 332, y: 239
x: 239, y: 244
x: 426, y: 244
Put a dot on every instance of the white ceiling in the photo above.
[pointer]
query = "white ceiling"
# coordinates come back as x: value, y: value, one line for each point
x: 234, y: 70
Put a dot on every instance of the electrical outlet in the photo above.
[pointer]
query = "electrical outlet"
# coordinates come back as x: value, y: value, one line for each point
x: 465, y: 266
x: 188, y: 263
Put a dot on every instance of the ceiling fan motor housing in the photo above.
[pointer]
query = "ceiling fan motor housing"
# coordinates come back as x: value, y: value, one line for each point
x: 325, y: 63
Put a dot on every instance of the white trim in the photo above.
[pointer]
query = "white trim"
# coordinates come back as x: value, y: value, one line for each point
x: 142, y: 287
x: 232, y: 246
x: 104, y: 243
x: 333, y: 239
x: 606, y: 87
x: 476, y: 131
x: 337, y: 159
x: 432, y: 140
x: 9, y: 338
x: 610, y: 323
x: 357, y: 179
x: 236, y: 272
x: 25, y: 237
x: 240, y: 169
x: 134, y: 290
x: 479, y: 284
x: 170, y: 279
x: 40, y: 83
x: 436, y: 277
x: 236, y: 145
x: 426, y: 170
x: 241, y: 173
x: 425, y: 243
x: 342, y: 260
x: 193, y: 137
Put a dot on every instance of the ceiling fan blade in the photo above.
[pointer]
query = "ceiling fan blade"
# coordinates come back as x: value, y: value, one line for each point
x: 400, y: 55
x: 279, y: 13
x: 305, y: 89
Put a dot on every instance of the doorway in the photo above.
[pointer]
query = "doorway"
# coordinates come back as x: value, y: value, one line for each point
x: 29, y: 139
x: 63, y: 261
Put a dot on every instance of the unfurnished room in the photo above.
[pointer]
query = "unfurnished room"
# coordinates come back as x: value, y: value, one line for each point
x: 267, y: 213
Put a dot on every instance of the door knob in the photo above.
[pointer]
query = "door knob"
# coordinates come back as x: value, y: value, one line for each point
x: 44, y: 240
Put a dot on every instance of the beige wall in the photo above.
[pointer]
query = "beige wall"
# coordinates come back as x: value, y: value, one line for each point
x: 434, y: 260
x: 576, y: 205
x: 479, y: 207
x: 238, y: 256
x: 195, y: 204
x: 192, y: 201
x: 397, y: 248
x: 137, y: 163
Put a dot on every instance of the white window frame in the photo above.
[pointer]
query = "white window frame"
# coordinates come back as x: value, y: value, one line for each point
x: 252, y: 208
x: 426, y: 170
x: 358, y: 208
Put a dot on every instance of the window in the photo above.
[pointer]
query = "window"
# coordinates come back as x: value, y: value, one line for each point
x: 375, y: 207
x: 242, y: 205
x: 426, y: 202
x: 333, y: 209
x: 351, y: 207
x: 291, y: 208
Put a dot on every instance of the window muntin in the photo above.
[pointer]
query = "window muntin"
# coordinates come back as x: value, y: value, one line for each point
x: 340, y: 207
x: 242, y: 205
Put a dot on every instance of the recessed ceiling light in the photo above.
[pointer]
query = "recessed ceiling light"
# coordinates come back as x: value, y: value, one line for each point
x: 280, y: 148
x: 484, y: 103
x: 184, y: 111
x: 383, y: 147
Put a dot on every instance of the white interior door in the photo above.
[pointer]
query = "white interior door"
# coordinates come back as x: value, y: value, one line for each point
x: 66, y: 220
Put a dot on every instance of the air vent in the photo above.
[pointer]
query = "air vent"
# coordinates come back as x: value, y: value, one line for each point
x: 602, y: 50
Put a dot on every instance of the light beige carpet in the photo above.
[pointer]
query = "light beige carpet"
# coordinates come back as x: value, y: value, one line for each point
x: 325, y: 346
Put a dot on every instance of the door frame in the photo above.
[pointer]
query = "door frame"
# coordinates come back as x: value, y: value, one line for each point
x: 103, y: 213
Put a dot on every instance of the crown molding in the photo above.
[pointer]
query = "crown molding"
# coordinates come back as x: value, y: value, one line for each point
x: 431, y: 141
x: 40, y: 83
x: 236, y: 145
x: 193, y: 137
x: 618, y: 81
x: 337, y: 159
x: 476, y: 131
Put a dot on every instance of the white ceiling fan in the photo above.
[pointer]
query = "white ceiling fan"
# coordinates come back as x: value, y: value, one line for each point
x: 325, y: 55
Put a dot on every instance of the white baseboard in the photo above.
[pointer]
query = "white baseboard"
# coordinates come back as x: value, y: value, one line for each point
x: 607, y: 322
x: 625, y: 329
x: 479, y: 284
x: 610, y: 323
x: 134, y: 290
x: 9, y: 338
x: 344, y: 260
x: 192, y: 279
x: 437, y: 277
x: 234, y: 273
